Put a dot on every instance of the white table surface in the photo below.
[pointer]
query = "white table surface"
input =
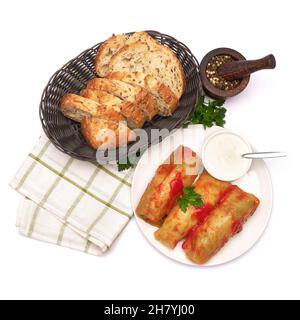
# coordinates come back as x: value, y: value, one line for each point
x: 39, y: 37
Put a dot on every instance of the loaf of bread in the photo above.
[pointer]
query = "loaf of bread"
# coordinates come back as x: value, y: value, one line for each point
x: 142, y: 53
x: 167, y: 101
x: 105, y: 134
x: 140, y: 78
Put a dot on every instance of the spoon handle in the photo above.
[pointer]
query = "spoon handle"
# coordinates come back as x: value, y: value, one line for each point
x: 239, y: 69
x: 264, y: 155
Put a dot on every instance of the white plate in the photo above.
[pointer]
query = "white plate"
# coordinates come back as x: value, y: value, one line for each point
x: 256, y: 181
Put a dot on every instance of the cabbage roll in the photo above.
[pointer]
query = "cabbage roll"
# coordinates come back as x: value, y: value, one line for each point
x: 179, y: 170
x: 226, y: 220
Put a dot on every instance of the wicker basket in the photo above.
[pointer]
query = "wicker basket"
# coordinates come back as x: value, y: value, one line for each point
x: 73, y: 76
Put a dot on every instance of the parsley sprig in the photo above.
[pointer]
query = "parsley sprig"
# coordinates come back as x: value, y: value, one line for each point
x: 208, y: 113
x: 189, y: 198
x: 130, y: 162
x: 125, y: 166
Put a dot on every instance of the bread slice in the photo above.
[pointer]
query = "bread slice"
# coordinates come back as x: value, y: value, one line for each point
x: 149, y: 57
x: 167, y: 101
x: 131, y: 112
x: 113, y: 45
x: 76, y: 108
x: 107, y: 50
x: 137, y: 95
x: 105, y: 134
x: 102, y: 97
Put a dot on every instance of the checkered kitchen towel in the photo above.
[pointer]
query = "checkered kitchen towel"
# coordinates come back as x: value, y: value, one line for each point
x: 69, y: 202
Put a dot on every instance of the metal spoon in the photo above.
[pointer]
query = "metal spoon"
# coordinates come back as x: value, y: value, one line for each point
x: 264, y: 155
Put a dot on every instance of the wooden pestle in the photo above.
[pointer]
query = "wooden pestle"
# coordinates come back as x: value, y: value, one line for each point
x: 239, y: 69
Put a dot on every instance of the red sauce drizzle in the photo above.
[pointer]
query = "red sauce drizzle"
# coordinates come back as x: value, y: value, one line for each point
x: 203, y: 212
x: 176, y: 185
x: 190, y: 235
x: 176, y: 189
x: 236, y: 227
x: 223, y: 195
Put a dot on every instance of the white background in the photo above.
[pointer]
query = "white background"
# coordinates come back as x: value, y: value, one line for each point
x: 38, y: 37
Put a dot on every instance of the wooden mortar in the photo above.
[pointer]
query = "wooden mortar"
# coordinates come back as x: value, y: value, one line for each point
x: 238, y: 69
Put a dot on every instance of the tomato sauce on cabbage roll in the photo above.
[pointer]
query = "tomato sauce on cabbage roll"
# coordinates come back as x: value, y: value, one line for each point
x: 179, y: 170
x: 178, y: 223
x: 225, y: 221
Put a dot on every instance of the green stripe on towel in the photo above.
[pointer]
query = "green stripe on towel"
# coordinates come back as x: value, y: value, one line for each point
x: 113, y: 175
x: 74, y: 205
x: 46, y: 196
x: 109, y: 205
x: 103, y: 212
x: 28, y: 172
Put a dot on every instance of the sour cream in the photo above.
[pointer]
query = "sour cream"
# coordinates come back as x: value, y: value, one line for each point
x: 222, y: 156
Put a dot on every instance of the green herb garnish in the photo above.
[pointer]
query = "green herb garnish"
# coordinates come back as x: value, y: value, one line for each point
x: 189, y: 198
x: 208, y: 113
x: 129, y: 163
x: 125, y: 166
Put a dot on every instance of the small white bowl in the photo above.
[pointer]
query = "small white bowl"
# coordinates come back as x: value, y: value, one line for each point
x: 222, y: 155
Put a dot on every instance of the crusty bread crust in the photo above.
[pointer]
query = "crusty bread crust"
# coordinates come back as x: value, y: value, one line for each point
x: 135, y: 117
x: 147, y: 103
x: 115, y: 87
x: 106, y: 51
x: 105, y: 134
x: 167, y: 101
x: 143, y: 37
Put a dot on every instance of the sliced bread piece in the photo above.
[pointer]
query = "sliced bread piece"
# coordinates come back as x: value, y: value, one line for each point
x: 151, y: 58
x: 137, y: 95
x: 134, y: 116
x: 76, y: 108
x: 102, y: 97
x: 167, y: 101
x: 107, y: 50
x: 105, y: 134
x: 131, y: 112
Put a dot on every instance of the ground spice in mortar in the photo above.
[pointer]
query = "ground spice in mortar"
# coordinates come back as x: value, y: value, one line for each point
x: 216, y: 80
